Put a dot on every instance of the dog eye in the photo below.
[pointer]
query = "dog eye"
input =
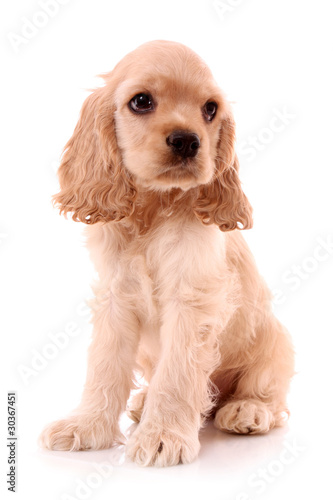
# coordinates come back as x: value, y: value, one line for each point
x: 209, y: 110
x: 141, y: 103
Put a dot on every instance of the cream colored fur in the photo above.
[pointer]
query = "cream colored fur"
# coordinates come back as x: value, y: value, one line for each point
x: 179, y: 297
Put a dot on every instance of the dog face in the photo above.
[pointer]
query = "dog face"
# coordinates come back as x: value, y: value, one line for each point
x: 168, y: 119
x: 160, y: 123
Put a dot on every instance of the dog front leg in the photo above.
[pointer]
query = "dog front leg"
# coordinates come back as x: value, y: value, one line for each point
x: 94, y: 424
x: 179, y: 392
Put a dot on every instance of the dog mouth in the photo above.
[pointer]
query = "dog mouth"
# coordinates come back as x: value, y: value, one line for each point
x: 183, y: 173
x: 186, y: 163
x: 180, y: 167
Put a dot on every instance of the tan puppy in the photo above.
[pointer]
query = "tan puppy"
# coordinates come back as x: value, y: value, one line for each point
x: 151, y: 168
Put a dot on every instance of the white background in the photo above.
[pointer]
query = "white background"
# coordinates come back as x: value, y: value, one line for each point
x: 269, y: 57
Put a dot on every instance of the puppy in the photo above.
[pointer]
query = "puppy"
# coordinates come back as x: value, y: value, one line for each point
x: 151, y: 169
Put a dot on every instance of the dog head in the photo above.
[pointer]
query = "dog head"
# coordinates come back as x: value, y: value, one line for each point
x: 160, y: 123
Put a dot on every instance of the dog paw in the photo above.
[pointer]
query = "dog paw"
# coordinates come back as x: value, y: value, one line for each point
x: 79, y: 432
x: 161, y: 447
x: 245, y: 416
x: 136, y: 405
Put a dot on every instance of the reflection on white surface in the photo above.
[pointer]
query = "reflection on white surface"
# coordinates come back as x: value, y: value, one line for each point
x: 228, y: 467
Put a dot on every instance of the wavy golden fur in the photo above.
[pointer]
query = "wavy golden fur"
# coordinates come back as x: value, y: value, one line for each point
x: 179, y: 298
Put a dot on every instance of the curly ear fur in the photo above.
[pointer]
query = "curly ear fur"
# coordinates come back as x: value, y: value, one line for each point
x: 94, y: 187
x: 222, y: 201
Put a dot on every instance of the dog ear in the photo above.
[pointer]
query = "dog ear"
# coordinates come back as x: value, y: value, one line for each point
x: 94, y: 186
x: 223, y: 201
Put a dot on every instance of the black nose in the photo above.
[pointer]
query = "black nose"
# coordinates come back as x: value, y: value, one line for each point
x: 184, y: 144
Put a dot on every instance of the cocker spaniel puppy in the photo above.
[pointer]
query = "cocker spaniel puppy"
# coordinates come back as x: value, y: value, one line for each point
x: 151, y: 169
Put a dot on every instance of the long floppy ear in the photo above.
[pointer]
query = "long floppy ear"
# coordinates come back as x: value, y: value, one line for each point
x: 94, y: 186
x: 222, y: 201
